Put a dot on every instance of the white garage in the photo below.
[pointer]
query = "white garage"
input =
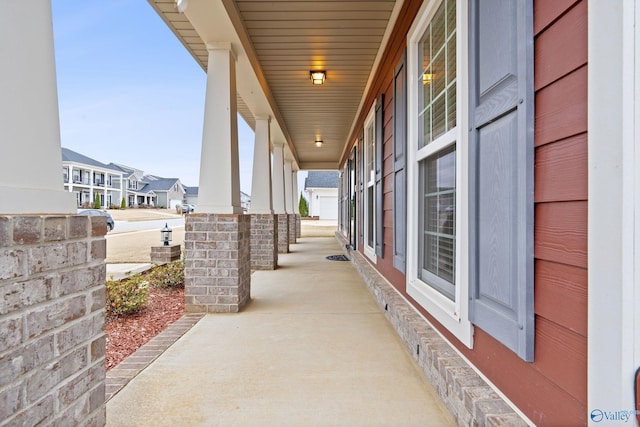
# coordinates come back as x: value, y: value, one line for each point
x: 322, y: 189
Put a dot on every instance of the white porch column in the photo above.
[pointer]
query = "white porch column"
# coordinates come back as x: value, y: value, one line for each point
x: 288, y: 188
x: 29, y: 120
x: 296, y: 193
x: 261, y: 196
x: 296, y: 204
x: 288, y: 193
x: 219, y: 171
x: 70, y: 180
x: 613, y: 209
x: 279, y: 204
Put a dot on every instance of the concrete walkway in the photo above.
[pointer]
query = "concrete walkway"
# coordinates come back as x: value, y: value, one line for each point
x: 311, y: 349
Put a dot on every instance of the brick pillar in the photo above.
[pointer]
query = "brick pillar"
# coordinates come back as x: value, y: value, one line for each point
x: 52, y: 300
x: 298, y: 226
x: 217, y: 262
x: 264, y: 242
x: 165, y: 254
x: 292, y: 228
x: 283, y: 233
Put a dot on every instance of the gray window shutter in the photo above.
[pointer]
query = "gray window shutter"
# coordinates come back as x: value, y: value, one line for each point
x: 400, y: 165
x: 501, y: 171
x: 379, y: 159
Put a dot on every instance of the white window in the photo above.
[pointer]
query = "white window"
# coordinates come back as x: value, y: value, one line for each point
x: 369, y: 179
x: 437, y: 147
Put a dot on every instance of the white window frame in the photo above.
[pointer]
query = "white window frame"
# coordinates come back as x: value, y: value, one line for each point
x: 369, y: 181
x: 453, y: 315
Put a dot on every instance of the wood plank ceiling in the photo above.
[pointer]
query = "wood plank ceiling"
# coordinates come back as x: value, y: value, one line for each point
x: 291, y: 37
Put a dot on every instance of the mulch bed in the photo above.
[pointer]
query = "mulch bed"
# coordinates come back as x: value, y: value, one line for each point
x: 125, y: 334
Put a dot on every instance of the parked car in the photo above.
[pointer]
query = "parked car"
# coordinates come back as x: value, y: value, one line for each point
x: 98, y: 212
x: 186, y: 208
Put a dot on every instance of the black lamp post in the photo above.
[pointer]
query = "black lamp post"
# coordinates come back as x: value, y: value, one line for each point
x: 166, y: 234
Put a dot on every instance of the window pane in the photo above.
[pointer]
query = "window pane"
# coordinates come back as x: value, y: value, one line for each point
x: 438, y: 234
x: 370, y: 206
x: 451, y: 60
x: 438, y: 58
x: 439, y: 119
x: 451, y: 112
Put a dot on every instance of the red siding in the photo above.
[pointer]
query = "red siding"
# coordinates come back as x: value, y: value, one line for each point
x: 561, y: 170
x: 561, y: 295
x: 562, y: 48
x: 552, y: 390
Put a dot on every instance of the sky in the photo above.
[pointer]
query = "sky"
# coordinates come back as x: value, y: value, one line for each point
x: 130, y: 93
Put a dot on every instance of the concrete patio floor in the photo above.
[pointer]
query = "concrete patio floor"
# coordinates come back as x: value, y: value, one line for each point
x: 311, y: 349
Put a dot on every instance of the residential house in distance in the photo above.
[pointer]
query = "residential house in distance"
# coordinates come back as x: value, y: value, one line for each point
x: 169, y: 192
x: 322, y: 187
x: 133, y: 186
x: 86, y: 177
x: 245, y: 201
x: 191, y: 197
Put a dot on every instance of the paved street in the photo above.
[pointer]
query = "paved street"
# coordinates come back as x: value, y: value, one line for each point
x: 137, y: 230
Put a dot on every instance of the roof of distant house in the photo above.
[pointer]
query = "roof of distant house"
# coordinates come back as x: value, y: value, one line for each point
x: 321, y: 179
x: 191, y: 191
x: 155, y: 183
x: 126, y: 170
x: 72, y: 156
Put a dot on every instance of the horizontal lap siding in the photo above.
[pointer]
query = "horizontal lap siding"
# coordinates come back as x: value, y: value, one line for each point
x: 552, y: 390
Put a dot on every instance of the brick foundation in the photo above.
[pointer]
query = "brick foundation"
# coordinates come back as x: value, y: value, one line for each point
x: 466, y: 395
x: 217, y: 262
x: 283, y: 233
x: 292, y: 229
x: 165, y: 254
x: 264, y: 242
x: 52, y: 299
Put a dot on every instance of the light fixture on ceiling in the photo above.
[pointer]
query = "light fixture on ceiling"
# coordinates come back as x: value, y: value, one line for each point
x: 427, y: 78
x: 318, y: 77
x: 319, y: 143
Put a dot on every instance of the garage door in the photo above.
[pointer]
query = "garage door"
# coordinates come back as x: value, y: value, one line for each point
x: 328, y: 207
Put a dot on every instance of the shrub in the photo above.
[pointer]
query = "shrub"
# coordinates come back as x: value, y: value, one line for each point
x: 123, y: 204
x: 126, y: 296
x: 96, y: 202
x: 303, y: 206
x: 170, y: 275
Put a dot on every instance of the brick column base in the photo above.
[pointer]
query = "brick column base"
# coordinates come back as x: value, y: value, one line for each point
x: 217, y: 262
x: 165, y: 254
x: 283, y: 233
x: 264, y: 241
x: 52, y: 300
x: 298, y: 226
x: 292, y: 228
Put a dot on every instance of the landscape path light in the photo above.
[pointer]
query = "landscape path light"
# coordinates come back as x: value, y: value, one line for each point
x: 166, y: 234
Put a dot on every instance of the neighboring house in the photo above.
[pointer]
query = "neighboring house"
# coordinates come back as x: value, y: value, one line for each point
x: 169, y: 192
x: 245, y: 201
x: 133, y: 185
x: 150, y: 190
x: 190, y: 195
x: 322, y: 187
x: 86, y: 177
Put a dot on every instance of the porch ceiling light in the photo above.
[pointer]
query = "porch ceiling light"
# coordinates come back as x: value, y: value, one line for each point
x: 318, y: 77
x: 318, y: 143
